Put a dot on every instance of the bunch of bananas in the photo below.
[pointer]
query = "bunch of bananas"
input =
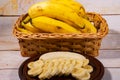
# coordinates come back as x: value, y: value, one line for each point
x: 57, y: 16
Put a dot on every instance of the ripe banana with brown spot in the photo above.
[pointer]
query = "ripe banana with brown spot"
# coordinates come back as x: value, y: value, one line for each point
x: 51, y: 25
x: 89, y: 27
x: 73, y: 4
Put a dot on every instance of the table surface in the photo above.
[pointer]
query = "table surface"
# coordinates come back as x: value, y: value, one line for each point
x: 11, y: 59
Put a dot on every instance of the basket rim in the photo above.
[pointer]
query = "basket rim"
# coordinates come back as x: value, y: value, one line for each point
x: 97, y: 35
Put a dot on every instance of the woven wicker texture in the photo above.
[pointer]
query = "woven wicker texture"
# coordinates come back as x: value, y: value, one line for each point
x: 39, y: 43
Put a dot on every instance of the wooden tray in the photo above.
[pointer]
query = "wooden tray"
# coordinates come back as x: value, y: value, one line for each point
x: 97, y: 73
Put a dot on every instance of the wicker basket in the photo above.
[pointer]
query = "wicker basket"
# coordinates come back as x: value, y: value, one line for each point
x: 38, y: 43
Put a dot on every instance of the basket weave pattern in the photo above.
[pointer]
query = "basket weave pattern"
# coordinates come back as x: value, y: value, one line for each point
x: 38, y: 43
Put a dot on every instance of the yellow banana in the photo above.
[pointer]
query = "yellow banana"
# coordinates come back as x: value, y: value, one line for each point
x: 80, y: 11
x: 23, y: 30
x: 27, y: 19
x: 62, y: 13
x: 76, y: 6
x: 56, y: 11
x: 89, y: 28
x: 30, y: 27
x: 51, y: 25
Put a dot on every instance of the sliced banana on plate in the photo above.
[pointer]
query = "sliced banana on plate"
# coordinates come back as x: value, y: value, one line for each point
x: 61, y: 63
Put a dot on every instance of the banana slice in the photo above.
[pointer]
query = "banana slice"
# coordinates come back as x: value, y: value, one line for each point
x: 35, y: 71
x: 79, y: 63
x: 65, y: 66
x: 38, y: 63
x: 86, y: 76
x: 58, y: 65
x: 35, y: 67
x: 88, y: 68
x: 78, y: 72
x: 85, y: 62
x: 46, y: 70
x: 54, y: 67
x: 31, y: 65
x: 70, y: 66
